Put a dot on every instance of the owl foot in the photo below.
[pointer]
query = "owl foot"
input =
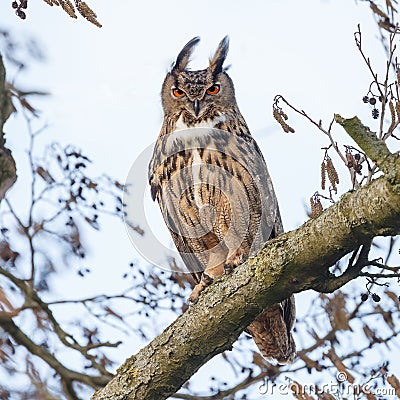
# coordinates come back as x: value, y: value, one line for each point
x: 228, y: 268
x: 233, y: 262
x: 204, y: 282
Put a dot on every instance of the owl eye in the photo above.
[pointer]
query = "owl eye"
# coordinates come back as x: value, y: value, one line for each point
x: 214, y: 89
x: 178, y: 92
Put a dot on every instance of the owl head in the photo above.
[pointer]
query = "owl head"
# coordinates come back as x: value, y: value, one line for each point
x: 197, y: 93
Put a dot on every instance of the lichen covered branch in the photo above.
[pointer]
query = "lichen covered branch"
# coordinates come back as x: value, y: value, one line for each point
x: 291, y: 263
x: 373, y: 147
x: 8, y: 173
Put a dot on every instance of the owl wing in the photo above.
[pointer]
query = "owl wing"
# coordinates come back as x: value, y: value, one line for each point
x: 271, y: 222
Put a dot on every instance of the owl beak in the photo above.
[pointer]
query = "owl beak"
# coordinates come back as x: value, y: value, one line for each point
x: 196, y: 107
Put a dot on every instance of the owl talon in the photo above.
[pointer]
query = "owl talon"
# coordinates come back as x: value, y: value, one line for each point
x: 228, y: 268
x: 194, y: 296
x: 204, y: 282
x: 233, y: 262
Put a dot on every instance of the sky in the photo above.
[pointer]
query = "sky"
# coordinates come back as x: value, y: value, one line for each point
x: 105, y: 90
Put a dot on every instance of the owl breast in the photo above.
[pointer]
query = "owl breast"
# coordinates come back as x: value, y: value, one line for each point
x: 182, y: 129
x: 212, y: 187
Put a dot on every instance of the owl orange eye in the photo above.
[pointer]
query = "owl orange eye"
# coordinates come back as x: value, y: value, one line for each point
x: 178, y: 92
x: 214, y: 89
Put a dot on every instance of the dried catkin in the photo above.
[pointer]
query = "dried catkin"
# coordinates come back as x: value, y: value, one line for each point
x: 332, y: 174
x: 323, y: 175
x: 316, y: 206
x: 375, y: 9
x: 87, y: 12
x: 393, y: 115
x: 280, y: 117
x: 68, y: 8
x: 397, y: 106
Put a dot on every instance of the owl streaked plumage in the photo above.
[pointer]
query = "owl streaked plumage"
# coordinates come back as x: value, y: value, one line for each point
x: 213, y: 187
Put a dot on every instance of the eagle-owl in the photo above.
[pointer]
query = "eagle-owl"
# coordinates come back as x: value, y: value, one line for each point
x: 212, y: 185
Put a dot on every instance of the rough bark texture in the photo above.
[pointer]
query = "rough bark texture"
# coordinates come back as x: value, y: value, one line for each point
x: 8, y: 173
x: 291, y: 263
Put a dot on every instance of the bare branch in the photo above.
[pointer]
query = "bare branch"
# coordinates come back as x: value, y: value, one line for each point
x: 67, y: 374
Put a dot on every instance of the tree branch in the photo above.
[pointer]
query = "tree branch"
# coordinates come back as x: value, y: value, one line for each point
x: 373, y: 147
x: 66, y: 374
x: 8, y: 174
x: 222, y: 394
x: 288, y: 264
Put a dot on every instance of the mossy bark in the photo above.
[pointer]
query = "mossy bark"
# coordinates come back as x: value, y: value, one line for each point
x: 291, y: 263
x: 8, y: 174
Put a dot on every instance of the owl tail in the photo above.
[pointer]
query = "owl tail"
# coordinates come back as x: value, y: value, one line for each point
x: 271, y: 332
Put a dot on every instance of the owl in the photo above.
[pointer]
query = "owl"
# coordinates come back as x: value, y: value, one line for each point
x: 213, y: 188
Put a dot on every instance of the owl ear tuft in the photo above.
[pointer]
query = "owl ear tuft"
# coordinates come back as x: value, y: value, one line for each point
x: 184, y: 56
x: 218, y: 59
